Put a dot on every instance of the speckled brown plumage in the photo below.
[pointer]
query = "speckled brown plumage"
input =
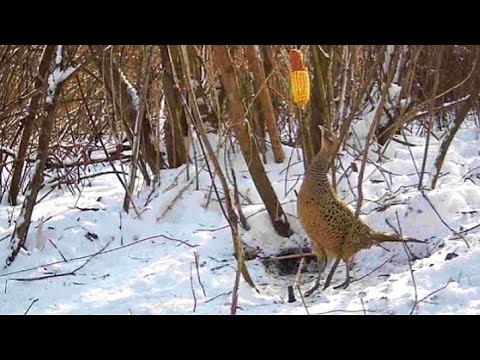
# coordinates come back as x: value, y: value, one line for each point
x: 327, y: 220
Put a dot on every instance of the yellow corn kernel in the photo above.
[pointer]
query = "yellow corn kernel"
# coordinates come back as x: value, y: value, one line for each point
x: 300, y: 84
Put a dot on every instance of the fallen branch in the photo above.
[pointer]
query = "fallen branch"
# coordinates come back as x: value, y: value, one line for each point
x: 87, y: 209
x: 73, y: 272
x: 217, y: 296
x: 105, y: 252
x: 292, y: 256
x: 74, y: 164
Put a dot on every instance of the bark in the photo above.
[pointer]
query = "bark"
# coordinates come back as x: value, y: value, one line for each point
x: 176, y: 124
x: 19, y: 236
x: 28, y: 122
x: 118, y: 90
x: 230, y: 215
x: 265, y: 106
x: 459, y: 118
x: 138, y: 125
x: 320, y: 114
x: 269, y: 65
x: 247, y: 145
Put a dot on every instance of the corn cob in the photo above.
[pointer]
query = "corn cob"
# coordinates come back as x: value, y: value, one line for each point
x: 299, y: 80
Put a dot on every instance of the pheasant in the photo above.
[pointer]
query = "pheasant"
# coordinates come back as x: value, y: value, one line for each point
x: 329, y: 223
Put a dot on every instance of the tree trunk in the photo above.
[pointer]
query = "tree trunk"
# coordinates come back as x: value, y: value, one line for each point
x: 460, y: 116
x: 19, y: 236
x: 320, y: 114
x: 269, y: 64
x: 28, y: 122
x: 120, y: 91
x: 138, y: 126
x: 247, y: 145
x: 265, y: 107
x: 230, y: 215
x: 176, y: 123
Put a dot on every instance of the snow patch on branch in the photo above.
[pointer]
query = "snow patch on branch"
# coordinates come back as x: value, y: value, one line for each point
x: 59, y: 56
x: 58, y: 75
x: 8, y: 151
x: 131, y: 91
x: 56, y: 78
x: 445, y: 105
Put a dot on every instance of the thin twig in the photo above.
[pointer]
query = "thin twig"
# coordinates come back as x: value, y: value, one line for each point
x: 363, y: 306
x: 297, y: 282
x: 298, y: 276
x: 431, y: 294
x: 178, y: 196
x: 191, y: 287
x: 198, y: 273
x: 303, y: 300
x: 73, y: 272
x: 120, y: 227
x: 344, y: 311
x: 33, y: 302
x: 443, y: 222
x: 236, y: 284
x: 411, y: 254
x: 236, y: 202
x: 55, y: 246
x: 413, y: 280
x: 372, y: 271
x: 217, y: 296
x: 247, y: 217
x: 469, y: 229
x: 410, y: 257
x: 391, y: 226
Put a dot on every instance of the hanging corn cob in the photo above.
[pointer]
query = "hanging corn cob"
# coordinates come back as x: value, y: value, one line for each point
x: 299, y: 80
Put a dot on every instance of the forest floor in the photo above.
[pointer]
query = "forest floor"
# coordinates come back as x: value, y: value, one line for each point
x: 90, y: 258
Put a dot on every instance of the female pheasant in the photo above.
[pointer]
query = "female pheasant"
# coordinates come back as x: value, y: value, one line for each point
x: 328, y: 221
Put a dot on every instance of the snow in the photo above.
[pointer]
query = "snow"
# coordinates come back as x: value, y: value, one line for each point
x: 8, y: 151
x: 56, y: 77
x: 148, y: 267
x: 445, y: 105
x: 131, y: 91
x: 58, y: 55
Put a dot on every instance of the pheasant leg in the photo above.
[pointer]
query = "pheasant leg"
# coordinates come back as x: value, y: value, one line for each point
x: 322, y: 261
x: 345, y: 284
x: 330, y: 275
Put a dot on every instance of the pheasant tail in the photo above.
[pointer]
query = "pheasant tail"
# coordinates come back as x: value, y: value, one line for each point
x: 380, y: 237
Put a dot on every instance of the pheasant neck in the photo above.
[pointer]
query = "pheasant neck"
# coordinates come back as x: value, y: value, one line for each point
x: 317, y: 173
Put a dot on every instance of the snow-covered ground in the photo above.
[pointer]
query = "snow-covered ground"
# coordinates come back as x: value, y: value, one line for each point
x: 148, y: 266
